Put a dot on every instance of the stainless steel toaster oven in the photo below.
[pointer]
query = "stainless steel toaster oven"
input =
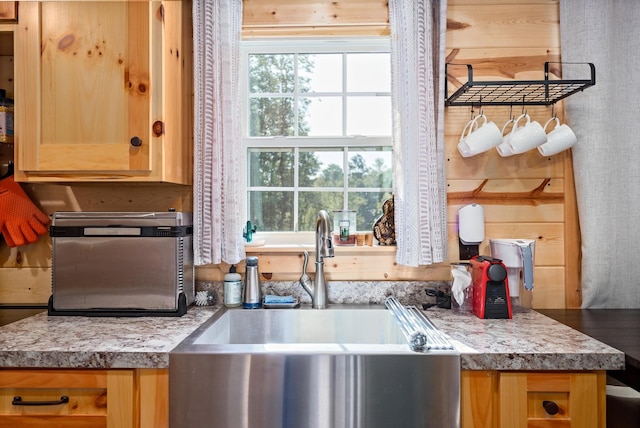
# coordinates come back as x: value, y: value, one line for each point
x: 122, y: 263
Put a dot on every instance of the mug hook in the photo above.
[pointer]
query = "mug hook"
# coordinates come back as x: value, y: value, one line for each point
x: 553, y: 111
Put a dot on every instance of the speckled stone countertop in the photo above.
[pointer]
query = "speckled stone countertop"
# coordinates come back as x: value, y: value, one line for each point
x: 529, y: 341
x: 96, y: 342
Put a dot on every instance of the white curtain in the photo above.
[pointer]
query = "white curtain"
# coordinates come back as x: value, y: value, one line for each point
x: 606, y: 157
x: 417, y: 80
x: 219, y: 188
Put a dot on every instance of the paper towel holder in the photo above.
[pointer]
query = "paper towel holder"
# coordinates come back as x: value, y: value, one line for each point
x: 470, y: 230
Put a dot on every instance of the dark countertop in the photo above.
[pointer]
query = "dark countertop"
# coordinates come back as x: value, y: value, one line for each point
x: 618, y: 328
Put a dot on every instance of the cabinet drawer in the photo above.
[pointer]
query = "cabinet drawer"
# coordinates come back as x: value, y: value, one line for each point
x: 24, y: 407
x: 549, y: 400
x: 66, y: 398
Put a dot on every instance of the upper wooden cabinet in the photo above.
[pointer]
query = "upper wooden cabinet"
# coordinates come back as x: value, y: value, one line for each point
x: 103, y: 91
x: 8, y: 10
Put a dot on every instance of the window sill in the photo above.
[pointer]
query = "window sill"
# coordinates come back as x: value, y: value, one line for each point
x: 338, y: 249
x: 350, y: 263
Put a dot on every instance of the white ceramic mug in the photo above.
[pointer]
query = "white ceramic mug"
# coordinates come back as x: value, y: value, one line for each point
x: 559, y: 139
x: 504, y: 149
x: 476, y: 138
x: 526, y: 137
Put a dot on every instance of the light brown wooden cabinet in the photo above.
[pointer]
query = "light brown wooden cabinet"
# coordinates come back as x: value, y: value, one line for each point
x: 8, y: 10
x: 125, y: 398
x: 78, y: 398
x: 492, y: 399
x: 103, y: 91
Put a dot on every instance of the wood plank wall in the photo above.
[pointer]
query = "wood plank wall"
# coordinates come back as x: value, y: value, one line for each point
x: 525, y: 196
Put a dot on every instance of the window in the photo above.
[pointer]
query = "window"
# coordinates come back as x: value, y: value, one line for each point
x: 317, y: 127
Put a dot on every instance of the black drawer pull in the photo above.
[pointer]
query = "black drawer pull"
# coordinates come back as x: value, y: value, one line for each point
x: 17, y: 401
x: 550, y: 407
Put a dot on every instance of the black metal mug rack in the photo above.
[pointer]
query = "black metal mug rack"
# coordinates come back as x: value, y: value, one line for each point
x: 515, y: 92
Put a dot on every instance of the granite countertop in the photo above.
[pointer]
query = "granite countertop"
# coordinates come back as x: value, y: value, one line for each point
x: 530, y: 341
x: 96, y: 342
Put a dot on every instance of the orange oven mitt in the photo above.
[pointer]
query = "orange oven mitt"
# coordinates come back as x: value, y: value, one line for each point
x: 21, y: 221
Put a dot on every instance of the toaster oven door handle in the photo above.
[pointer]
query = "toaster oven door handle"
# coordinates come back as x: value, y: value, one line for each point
x: 112, y: 231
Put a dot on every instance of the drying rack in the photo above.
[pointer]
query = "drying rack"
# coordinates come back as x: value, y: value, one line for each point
x: 515, y: 92
x: 421, y: 334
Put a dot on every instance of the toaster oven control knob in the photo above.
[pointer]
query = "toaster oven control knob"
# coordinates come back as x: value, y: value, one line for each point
x: 497, y: 272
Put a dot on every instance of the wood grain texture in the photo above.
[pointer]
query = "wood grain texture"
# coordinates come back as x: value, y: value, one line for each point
x: 97, y: 398
x: 526, y: 196
x: 8, y: 11
x: 578, y: 396
x: 503, y: 25
x: 153, y: 386
x: 479, y: 398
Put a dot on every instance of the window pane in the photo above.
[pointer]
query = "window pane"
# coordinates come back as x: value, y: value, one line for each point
x: 271, y: 168
x: 320, y: 72
x: 368, y: 72
x: 271, y: 117
x: 328, y: 171
x: 369, y: 115
x: 370, y: 167
x: 368, y: 207
x: 312, y: 202
x: 271, y: 73
x: 271, y: 211
x: 321, y: 116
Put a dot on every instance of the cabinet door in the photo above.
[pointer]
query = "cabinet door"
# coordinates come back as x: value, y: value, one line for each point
x: 8, y: 10
x: 68, y: 398
x: 548, y: 400
x: 83, y: 88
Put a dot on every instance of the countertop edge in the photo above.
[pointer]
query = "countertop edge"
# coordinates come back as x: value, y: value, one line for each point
x: 136, y: 346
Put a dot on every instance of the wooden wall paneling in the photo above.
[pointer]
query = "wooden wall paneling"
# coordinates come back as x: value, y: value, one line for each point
x: 25, y: 285
x: 25, y: 272
x: 573, y: 246
x: 503, y: 39
x: 262, y: 18
x: 548, y: 290
x: 490, y: 165
x: 549, y: 250
x: 294, y: 13
x: 503, y: 25
x: 499, y: 64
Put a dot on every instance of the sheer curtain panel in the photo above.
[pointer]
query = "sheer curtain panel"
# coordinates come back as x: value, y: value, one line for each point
x: 417, y: 82
x: 219, y: 201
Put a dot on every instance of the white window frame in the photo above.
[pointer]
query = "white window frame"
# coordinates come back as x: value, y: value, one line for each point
x: 305, y: 45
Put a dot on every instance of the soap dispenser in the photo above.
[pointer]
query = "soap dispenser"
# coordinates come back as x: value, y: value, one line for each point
x: 252, y: 298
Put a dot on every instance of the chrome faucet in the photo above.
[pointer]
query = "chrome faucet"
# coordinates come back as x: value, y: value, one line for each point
x: 324, y: 248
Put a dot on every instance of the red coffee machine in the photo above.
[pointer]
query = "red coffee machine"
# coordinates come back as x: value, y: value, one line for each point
x: 490, y: 288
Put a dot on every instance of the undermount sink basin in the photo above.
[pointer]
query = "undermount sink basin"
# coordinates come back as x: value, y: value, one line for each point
x: 342, y: 367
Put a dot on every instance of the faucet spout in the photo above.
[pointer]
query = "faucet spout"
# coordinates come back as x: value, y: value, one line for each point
x: 324, y: 248
x: 324, y: 244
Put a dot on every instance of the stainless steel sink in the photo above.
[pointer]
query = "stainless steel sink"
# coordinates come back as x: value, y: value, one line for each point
x: 342, y: 367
